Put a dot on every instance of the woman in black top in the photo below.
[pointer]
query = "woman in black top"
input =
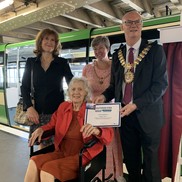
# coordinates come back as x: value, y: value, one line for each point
x: 48, y: 73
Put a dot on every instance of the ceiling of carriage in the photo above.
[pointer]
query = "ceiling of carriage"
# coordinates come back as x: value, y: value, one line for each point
x: 24, y: 18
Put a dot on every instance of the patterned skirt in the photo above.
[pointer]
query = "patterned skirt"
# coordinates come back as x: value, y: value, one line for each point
x: 43, y: 119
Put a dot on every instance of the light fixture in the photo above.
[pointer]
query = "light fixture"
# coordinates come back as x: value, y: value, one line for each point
x: 5, y: 3
x: 146, y: 15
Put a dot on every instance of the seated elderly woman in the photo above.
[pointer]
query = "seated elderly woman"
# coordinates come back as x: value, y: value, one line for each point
x: 70, y: 135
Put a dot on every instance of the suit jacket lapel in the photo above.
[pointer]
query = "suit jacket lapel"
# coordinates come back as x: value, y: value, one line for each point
x: 121, y: 72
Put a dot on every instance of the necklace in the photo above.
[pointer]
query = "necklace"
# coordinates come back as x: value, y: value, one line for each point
x: 101, y: 79
x: 129, y: 75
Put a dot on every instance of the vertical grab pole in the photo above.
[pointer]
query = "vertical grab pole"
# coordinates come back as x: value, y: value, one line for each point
x: 88, y: 47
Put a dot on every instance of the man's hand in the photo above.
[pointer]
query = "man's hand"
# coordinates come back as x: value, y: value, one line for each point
x: 99, y: 99
x: 128, y: 109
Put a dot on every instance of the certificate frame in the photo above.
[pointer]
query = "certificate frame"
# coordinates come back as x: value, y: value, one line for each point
x: 103, y: 115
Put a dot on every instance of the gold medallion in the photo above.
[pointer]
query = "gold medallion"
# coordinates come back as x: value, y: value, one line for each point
x: 129, y: 76
x: 128, y: 66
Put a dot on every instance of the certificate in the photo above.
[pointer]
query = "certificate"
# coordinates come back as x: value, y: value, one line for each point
x: 103, y: 115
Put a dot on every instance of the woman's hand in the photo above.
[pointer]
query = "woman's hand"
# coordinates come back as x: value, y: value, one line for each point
x: 88, y: 130
x: 36, y: 134
x: 32, y: 115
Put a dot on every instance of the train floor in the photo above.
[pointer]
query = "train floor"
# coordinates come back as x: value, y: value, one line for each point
x: 14, y: 155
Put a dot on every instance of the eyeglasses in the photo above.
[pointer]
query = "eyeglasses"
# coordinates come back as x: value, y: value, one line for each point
x: 130, y: 22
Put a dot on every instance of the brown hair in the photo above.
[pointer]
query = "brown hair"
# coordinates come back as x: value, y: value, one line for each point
x: 38, y: 42
x: 101, y: 39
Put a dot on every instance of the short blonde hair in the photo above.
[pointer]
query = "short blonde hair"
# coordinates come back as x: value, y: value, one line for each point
x: 85, y: 84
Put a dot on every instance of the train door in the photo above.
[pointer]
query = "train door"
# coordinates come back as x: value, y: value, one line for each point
x: 3, y: 117
x: 15, y: 64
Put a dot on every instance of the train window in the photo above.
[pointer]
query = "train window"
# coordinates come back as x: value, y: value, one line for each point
x: 25, y: 52
x: 76, y: 58
x: 21, y: 70
x: 11, y: 64
x: 1, y: 60
x: 114, y: 47
x: 12, y: 75
x: 17, y: 56
x: 91, y: 53
x: 12, y: 54
x: 1, y: 69
x: 1, y: 77
x: 73, y: 53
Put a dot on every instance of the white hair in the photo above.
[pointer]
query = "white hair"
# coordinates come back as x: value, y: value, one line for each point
x: 85, y: 84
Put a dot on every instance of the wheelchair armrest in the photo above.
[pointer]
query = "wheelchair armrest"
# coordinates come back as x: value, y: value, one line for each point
x: 45, y: 150
x: 48, y: 133
x: 85, y: 146
x: 90, y: 143
x: 45, y: 135
x: 97, y: 164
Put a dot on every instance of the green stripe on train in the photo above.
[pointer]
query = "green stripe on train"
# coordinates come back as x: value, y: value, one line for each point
x: 64, y: 37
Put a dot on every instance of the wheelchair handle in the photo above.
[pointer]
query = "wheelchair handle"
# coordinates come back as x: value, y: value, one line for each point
x: 90, y: 143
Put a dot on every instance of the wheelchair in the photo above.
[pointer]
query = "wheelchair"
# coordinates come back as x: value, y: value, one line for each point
x: 87, y: 173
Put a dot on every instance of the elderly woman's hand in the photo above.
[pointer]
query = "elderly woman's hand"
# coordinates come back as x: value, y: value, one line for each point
x: 89, y: 130
x: 36, y: 134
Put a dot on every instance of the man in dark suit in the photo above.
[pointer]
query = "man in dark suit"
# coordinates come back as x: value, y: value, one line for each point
x: 142, y: 115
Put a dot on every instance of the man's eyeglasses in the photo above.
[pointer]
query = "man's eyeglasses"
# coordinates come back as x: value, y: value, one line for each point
x: 130, y: 22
